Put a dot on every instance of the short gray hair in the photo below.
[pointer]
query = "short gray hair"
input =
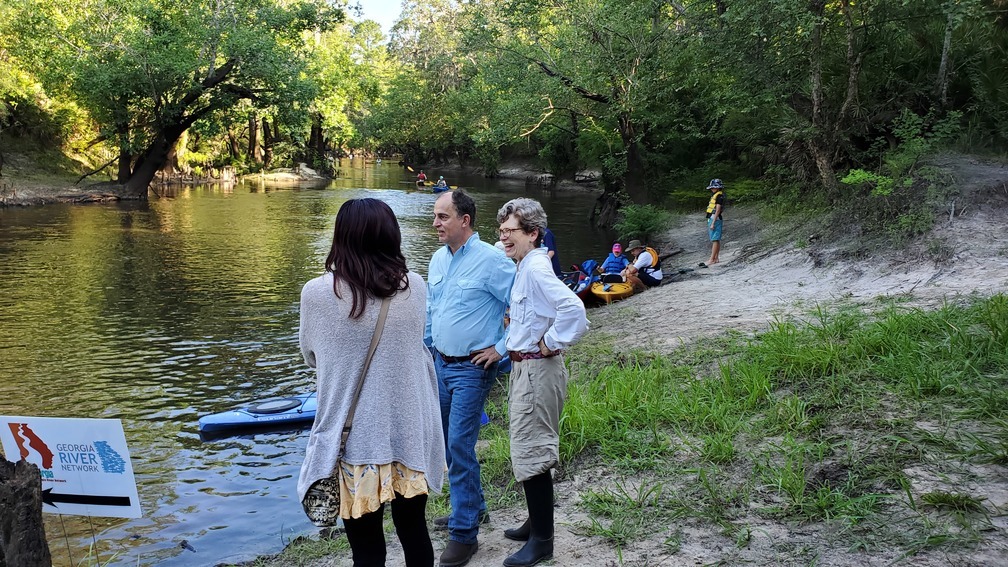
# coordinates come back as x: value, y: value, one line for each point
x: 529, y: 214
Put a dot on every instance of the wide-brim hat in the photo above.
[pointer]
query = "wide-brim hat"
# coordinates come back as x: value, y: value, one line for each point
x: 634, y: 244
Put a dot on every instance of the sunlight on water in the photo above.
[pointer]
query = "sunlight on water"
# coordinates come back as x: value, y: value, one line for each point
x: 157, y: 313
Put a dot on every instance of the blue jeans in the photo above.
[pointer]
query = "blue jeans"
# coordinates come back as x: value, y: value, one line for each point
x: 463, y: 388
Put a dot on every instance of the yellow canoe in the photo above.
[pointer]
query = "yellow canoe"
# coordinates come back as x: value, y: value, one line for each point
x: 610, y: 292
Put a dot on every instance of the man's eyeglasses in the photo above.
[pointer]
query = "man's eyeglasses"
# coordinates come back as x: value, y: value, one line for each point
x: 506, y: 232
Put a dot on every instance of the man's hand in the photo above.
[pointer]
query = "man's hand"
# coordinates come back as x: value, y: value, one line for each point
x: 485, y: 357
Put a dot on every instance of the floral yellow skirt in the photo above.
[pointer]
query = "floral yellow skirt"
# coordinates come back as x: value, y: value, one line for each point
x: 364, y: 488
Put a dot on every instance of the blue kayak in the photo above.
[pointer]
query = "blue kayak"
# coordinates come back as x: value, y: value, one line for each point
x: 277, y: 412
x: 280, y: 413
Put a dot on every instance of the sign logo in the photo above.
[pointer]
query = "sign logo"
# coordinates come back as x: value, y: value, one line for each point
x: 84, y: 463
x: 26, y: 439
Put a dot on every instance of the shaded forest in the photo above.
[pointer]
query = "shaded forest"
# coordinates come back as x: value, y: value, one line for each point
x: 826, y: 97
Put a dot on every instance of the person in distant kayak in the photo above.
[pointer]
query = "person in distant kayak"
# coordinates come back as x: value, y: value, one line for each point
x: 395, y: 452
x: 421, y: 177
x: 441, y: 182
x: 714, y: 220
x: 546, y: 317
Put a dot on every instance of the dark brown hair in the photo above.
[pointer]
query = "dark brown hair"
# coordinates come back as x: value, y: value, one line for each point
x: 366, y: 252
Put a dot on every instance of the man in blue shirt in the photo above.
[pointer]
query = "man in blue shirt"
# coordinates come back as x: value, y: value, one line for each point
x: 468, y: 289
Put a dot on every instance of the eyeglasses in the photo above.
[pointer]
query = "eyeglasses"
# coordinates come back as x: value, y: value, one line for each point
x: 506, y: 232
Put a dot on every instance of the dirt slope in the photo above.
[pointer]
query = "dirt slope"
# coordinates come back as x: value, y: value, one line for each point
x: 756, y: 281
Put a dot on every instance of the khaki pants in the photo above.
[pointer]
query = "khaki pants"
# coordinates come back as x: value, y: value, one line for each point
x: 535, y: 399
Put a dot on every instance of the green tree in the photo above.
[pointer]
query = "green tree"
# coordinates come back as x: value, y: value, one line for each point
x: 352, y: 69
x: 605, y: 63
x: 147, y: 70
x: 825, y: 78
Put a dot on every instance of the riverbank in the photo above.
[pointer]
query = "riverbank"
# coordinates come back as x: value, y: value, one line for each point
x: 527, y: 171
x: 904, y: 474
x: 18, y: 189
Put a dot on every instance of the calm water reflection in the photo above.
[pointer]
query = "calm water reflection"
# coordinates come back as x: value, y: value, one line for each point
x: 157, y: 313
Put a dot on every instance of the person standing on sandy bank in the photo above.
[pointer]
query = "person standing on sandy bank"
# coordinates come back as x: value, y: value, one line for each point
x: 714, y: 222
x: 394, y: 452
x: 468, y: 289
x: 546, y: 317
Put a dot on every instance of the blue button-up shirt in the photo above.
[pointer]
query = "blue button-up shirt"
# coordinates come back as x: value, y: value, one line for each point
x: 467, y: 295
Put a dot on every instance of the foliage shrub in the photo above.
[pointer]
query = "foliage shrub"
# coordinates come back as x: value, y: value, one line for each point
x: 50, y: 128
x: 488, y: 156
x: 642, y: 221
x: 902, y: 197
x: 27, y: 112
x: 557, y: 154
x: 695, y: 195
x: 594, y: 146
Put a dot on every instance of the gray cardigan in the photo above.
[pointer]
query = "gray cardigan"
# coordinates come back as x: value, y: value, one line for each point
x: 398, y: 416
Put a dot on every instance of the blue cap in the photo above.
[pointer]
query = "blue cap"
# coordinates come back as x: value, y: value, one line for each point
x: 715, y: 184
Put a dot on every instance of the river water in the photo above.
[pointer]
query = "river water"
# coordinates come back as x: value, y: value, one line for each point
x: 157, y: 313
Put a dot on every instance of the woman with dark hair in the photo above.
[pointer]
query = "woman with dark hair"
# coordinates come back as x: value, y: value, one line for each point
x: 395, y: 449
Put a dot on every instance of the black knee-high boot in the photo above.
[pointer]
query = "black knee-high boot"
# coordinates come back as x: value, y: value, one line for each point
x: 539, y: 499
x: 521, y: 533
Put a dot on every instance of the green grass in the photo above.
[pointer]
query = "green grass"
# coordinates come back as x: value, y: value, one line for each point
x: 812, y: 421
x: 303, y: 551
x: 826, y: 420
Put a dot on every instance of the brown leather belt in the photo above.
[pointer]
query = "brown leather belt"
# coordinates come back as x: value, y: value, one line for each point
x: 520, y: 356
x: 454, y: 359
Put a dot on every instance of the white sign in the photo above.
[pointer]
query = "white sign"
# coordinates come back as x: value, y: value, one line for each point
x: 85, y: 464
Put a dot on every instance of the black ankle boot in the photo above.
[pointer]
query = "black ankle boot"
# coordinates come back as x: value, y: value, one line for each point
x: 534, y: 551
x: 521, y: 533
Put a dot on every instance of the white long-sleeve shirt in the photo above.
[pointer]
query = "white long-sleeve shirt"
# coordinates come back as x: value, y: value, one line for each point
x: 543, y: 307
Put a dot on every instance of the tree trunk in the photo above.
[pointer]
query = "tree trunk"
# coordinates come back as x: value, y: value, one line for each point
x: 316, y: 142
x: 125, y: 161
x: 943, y: 67
x: 254, y: 152
x: 633, y: 179
x: 269, y: 138
x: 819, y: 145
x: 22, y: 533
x: 122, y: 130
x: 153, y: 160
x: 606, y: 209
x: 125, y: 155
x: 570, y: 144
x: 233, y: 148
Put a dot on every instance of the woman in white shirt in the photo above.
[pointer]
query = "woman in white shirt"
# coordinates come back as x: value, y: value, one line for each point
x: 546, y: 317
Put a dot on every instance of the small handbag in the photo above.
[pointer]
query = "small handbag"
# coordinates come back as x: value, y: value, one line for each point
x: 322, y: 500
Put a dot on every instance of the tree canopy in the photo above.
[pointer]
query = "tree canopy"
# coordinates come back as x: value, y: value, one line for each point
x: 643, y: 91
